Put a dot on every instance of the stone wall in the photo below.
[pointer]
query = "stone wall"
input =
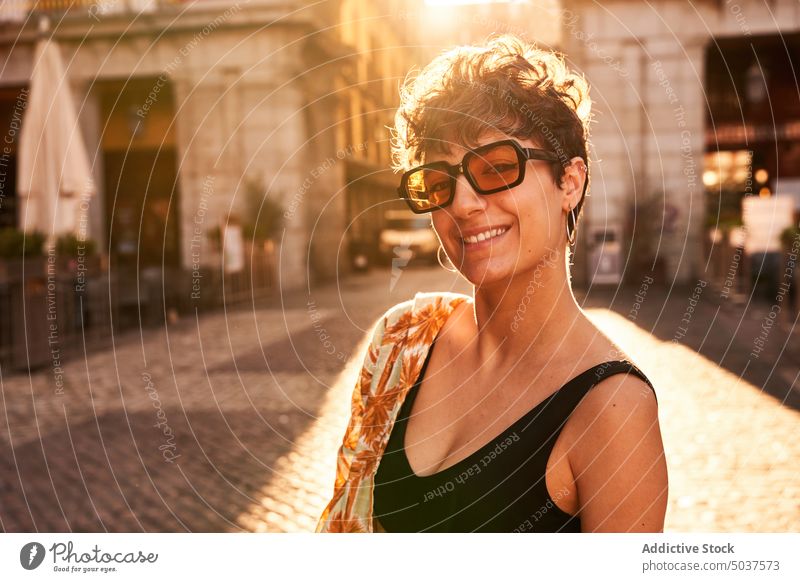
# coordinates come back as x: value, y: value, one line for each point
x: 242, y: 109
x: 645, y: 63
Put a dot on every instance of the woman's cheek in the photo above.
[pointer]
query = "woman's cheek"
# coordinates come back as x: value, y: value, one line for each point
x: 441, y: 225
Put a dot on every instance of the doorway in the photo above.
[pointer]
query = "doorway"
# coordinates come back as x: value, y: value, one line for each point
x: 142, y: 196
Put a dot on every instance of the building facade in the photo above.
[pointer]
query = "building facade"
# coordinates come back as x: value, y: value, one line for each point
x: 670, y: 89
x: 187, y: 108
x: 185, y: 105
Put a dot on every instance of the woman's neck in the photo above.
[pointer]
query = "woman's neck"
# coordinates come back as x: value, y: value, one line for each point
x: 529, y: 317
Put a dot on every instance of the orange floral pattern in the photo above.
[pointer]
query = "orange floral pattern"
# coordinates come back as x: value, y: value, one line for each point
x: 391, y: 365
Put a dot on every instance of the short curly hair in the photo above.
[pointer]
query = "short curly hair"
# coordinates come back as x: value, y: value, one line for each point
x: 505, y: 84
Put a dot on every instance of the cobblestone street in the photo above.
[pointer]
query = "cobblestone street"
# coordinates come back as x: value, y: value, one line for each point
x: 231, y: 421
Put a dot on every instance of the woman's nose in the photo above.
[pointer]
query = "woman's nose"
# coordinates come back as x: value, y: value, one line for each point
x: 465, y: 200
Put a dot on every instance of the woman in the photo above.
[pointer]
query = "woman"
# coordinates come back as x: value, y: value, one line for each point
x: 524, y: 417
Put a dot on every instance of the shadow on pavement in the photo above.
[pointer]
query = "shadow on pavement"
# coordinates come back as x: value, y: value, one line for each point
x: 722, y: 333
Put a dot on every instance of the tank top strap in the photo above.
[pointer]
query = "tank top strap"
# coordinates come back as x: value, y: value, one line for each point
x: 556, y: 410
x: 579, y: 386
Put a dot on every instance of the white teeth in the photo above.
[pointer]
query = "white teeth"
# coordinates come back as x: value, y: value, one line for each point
x: 485, y: 235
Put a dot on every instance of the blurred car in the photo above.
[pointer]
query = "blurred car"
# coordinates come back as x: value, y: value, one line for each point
x: 406, y: 236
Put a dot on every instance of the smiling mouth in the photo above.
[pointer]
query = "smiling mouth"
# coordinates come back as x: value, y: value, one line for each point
x: 485, y: 237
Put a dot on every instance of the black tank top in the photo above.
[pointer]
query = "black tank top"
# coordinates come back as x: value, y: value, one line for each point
x: 499, y: 488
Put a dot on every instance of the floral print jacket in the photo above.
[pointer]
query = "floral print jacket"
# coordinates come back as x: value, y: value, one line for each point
x: 391, y: 365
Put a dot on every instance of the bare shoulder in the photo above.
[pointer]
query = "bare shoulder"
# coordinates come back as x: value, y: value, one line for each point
x: 614, y: 394
x: 618, y: 457
x: 621, y: 393
x: 621, y: 406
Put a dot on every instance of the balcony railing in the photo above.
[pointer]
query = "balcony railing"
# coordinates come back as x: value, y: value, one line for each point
x: 20, y: 10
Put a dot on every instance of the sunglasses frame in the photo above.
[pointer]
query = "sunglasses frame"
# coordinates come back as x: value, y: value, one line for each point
x: 453, y: 170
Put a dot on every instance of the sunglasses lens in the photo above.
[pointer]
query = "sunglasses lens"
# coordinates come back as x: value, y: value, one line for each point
x: 428, y: 188
x: 495, y: 168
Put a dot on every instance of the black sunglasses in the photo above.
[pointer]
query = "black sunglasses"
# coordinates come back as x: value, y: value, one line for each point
x: 490, y: 168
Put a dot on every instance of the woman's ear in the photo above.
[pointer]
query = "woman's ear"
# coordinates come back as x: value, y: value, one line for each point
x: 572, y: 183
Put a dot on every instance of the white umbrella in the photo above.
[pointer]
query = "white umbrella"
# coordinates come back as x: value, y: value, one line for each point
x: 54, y: 175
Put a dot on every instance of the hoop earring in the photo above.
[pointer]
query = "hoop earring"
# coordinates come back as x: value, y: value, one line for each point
x: 571, y: 240
x: 439, y: 258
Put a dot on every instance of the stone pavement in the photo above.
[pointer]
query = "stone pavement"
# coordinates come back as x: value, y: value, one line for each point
x: 226, y: 422
x: 730, y: 422
x: 231, y: 421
